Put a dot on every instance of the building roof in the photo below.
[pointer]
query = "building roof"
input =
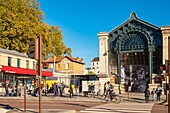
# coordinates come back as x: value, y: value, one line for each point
x: 61, y: 58
x: 132, y: 18
x: 12, y: 52
x: 95, y: 59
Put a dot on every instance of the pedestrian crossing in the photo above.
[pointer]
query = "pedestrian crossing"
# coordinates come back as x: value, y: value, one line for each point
x: 120, y: 108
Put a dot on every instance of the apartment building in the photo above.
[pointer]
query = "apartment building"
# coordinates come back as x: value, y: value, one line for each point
x: 15, y: 66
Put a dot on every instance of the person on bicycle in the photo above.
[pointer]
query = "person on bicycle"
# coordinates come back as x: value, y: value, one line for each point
x: 109, y: 88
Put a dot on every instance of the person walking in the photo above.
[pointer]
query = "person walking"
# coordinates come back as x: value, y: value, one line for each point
x: 92, y: 90
x: 61, y: 89
x: 158, y: 92
x: 147, y: 94
x: 104, y: 89
x: 71, y: 91
x: 153, y: 94
x: 47, y: 87
x: 6, y: 90
x: 77, y: 90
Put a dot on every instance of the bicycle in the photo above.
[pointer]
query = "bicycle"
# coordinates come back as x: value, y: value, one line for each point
x: 111, y: 96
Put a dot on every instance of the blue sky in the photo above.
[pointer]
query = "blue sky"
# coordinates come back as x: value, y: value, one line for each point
x: 81, y: 20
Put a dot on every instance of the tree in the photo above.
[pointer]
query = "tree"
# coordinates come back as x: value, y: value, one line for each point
x: 22, y: 21
x: 90, y: 73
x: 52, y: 43
x: 19, y: 23
x: 67, y: 51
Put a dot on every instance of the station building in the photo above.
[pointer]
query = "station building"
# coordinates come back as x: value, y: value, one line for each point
x: 132, y: 53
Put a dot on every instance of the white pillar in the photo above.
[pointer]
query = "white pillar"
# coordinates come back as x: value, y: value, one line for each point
x: 165, y: 34
x: 103, y: 52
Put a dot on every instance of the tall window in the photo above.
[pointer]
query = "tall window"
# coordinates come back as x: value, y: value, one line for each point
x: 18, y: 62
x: 67, y: 66
x: 58, y: 65
x: 27, y: 63
x: 9, y: 61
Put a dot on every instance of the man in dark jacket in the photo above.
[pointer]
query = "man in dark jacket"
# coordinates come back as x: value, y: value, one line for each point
x: 147, y: 94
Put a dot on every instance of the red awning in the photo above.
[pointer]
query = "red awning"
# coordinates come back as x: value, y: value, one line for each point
x: 24, y: 71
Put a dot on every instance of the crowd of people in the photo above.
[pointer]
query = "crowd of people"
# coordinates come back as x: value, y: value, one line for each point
x: 12, y: 90
x: 59, y: 88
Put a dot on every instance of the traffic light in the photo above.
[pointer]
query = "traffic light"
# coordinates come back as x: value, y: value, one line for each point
x: 33, y: 49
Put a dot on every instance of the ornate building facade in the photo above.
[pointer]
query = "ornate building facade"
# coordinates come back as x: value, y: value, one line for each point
x: 132, y: 53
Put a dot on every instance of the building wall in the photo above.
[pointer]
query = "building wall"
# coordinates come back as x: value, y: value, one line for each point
x: 165, y: 34
x: 95, y: 64
x: 4, y: 60
x: 73, y: 67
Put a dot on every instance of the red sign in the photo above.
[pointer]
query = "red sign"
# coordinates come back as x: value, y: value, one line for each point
x: 7, y: 82
x: 32, y: 81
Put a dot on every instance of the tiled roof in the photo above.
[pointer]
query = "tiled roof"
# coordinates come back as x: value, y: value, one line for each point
x: 95, y: 59
x: 12, y: 52
x: 60, y: 58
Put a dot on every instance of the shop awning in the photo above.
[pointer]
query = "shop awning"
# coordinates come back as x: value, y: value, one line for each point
x: 24, y: 71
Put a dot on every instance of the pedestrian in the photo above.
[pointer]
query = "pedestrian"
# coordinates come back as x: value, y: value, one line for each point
x: 56, y: 87
x: 147, y: 94
x: 12, y: 90
x: 153, y: 94
x: 71, y: 91
x: 77, y: 90
x: 92, y: 90
x: 104, y: 88
x: 158, y: 92
x: 16, y: 91
x: 61, y: 89
x: 99, y: 90
x: 6, y: 90
x: 47, y: 87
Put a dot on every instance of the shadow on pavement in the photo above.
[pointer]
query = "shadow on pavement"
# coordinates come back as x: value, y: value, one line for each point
x: 138, y: 100
x: 6, y: 106
x: 77, y: 105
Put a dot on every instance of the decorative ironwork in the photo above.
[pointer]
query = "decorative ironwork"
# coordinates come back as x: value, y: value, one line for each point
x: 134, y: 41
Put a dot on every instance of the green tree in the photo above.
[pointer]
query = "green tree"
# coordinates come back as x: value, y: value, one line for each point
x: 90, y: 73
x: 22, y: 21
x: 19, y: 23
x: 67, y: 51
x: 52, y: 43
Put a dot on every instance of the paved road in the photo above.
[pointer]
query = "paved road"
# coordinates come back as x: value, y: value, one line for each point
x: 80, y: 105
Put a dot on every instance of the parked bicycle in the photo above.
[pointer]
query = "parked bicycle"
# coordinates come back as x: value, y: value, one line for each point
x: 111, y: 96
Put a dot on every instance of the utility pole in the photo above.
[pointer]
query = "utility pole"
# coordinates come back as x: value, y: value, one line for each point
x: 40, y: 72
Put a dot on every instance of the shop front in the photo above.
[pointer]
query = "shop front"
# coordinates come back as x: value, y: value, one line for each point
x: 15, y: 77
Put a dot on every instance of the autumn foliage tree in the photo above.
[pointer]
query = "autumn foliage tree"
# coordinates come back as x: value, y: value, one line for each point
x: 22, y: 21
